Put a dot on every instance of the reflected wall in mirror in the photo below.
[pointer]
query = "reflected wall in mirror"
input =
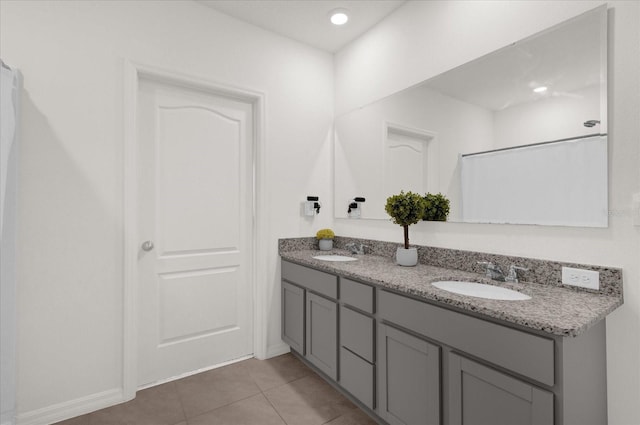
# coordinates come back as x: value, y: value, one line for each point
x: 415, y: 139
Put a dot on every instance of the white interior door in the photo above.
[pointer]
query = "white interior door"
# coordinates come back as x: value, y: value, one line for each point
x: 195, y: 230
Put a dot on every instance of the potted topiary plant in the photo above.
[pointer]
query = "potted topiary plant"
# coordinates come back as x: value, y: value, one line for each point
x: 437, y: 208
x: 406, y: 209
x: 325, y: 239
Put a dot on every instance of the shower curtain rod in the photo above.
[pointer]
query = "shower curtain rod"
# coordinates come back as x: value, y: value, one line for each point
x: 535, y: 144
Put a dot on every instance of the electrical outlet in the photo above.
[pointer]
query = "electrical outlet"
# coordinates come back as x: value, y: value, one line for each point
x: 579, y: 277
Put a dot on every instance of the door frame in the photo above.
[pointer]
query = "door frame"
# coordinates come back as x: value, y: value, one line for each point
x: 133, y: 72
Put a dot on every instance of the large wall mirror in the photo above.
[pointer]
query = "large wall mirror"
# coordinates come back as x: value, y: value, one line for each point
x: 516, y: 136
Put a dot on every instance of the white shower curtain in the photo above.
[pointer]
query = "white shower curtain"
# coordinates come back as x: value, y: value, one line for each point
x: 7, y: 130
x: 9, y: 83
x: 562, y: 184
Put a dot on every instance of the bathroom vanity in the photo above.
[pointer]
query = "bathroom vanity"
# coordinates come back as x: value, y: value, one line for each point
x: 409, y: 353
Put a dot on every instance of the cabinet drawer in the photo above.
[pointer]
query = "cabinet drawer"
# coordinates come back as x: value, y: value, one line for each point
x: 356, y: 333
x: 521, y: 352
x: 357, y: 294
x: 357, y: 377
x: 314, y: 280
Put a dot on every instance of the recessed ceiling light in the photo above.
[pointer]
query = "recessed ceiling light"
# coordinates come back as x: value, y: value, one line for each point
x: 339, y: 16
x: 540, y: 89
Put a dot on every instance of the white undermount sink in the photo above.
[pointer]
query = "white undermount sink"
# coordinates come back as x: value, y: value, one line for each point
x: 334, y: 258
x: 481, y: 290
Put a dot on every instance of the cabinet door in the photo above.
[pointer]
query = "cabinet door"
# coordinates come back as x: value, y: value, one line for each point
x: 322, y: 334
x: 408, y: 378
x: 480, y: 395
x: 293, y: 316
x: 356, y: 333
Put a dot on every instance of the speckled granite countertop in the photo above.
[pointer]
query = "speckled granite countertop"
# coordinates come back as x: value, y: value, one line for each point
x: 552, y: 309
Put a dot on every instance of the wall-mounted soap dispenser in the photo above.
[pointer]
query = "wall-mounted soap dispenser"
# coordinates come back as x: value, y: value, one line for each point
x: 355, y: 209
x: 312, y: 206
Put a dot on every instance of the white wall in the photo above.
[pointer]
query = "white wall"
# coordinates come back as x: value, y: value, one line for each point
x: 360, y: 146
x: 70, y: 206
x: 422, y: 39
x: 563, y: 117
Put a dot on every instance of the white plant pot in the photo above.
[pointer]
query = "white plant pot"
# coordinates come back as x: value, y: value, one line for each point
x: 407, y: 257
x: 325, y: 244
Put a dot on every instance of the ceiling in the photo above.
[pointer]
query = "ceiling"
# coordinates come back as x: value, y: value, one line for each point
x: 308, y: 20
x: 566, y: 59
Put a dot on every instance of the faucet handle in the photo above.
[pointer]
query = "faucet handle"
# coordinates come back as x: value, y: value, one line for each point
x: 493, y: 270
x: 518, y: 268
x: 513, y: 273
x: 489, y: 267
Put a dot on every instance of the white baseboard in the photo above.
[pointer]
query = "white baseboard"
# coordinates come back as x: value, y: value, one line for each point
x: 91, y: 403
x: 71, y: 409
x: 194, y: 372
x: 278, y: 349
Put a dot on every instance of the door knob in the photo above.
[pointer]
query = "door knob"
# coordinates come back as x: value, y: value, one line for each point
x: 147, y: 246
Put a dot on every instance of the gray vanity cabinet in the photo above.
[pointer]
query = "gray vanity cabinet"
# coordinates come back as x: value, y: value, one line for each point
x: 409, y: 378
x: 479, y: 395
x: 310, y: 315
x: 412, y: 362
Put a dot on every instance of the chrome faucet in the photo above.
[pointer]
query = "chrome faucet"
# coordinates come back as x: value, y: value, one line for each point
x: 494, y: 271
x: 513, y: 273
x: 356, y: 248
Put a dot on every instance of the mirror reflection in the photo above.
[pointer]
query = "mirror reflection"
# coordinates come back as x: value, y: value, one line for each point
x: 491, y: 135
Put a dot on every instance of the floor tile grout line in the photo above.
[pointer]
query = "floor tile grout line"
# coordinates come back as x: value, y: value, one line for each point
x: 187, y: 417
x: 184, y: 412
x: 283, y: 383
x: 306, y: 372
x: 224, y: 405
x: 274, y: 408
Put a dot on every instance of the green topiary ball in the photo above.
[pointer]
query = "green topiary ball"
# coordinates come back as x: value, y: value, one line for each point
x: 405, y: 209
x: 437, y: 207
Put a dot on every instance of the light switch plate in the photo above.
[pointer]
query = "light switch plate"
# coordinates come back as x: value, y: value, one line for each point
x: 582, y: 278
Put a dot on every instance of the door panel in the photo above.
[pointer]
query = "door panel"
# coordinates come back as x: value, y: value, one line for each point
x: 198, y: 151
x: 480, y: 395
x: 177, y: 292
x: 322, y: 334
x: 408, y: 377
x: 195, y: 203
x: 293, y: 316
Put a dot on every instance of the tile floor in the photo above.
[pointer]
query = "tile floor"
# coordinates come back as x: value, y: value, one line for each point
x: 278, y: 391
